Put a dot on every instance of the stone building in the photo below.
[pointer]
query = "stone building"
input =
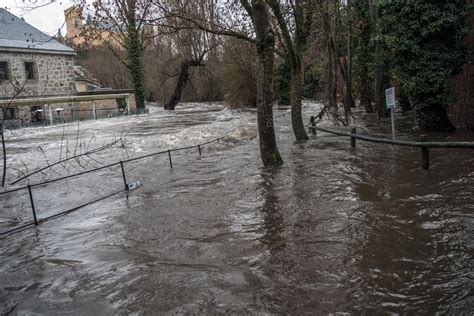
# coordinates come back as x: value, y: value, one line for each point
x: 36, y: 71
x: 32, y: 62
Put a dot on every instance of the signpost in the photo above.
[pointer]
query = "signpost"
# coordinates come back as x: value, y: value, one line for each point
x: 390, y: 104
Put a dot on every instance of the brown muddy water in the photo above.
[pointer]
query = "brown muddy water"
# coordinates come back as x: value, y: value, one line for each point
x: 335, y: 231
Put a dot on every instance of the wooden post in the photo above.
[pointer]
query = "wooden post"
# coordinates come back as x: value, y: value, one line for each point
x: 425, y: 154
x: 313, y: 125
x: 353, y: 140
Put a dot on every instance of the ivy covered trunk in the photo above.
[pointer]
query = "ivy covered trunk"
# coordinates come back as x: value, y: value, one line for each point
x: 266, y: 53
x: 134, y: 61
x: 433, y: 117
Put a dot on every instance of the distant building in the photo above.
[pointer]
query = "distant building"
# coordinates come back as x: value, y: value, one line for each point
x: 87, y: 32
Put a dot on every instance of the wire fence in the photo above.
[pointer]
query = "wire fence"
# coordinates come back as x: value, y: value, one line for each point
x: 126, y: 185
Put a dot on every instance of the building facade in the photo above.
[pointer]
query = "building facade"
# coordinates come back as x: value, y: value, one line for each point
x: 32, y: 63
x: 36, y: 71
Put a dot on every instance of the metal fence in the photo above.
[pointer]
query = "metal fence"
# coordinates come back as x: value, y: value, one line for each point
x: 29, y: 189
x: 423, y: 144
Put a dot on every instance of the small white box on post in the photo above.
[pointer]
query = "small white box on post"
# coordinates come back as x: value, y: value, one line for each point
x: 390, y: 102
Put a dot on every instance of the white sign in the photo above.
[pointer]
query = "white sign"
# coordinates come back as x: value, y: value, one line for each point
x: 390, y: 98
x: 133, y: 185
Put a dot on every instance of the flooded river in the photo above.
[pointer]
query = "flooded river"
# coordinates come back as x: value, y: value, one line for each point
x: 335, y: 230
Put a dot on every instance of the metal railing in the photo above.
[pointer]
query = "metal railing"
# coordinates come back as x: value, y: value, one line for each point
x: 424, y: 144
x: 30, y: 187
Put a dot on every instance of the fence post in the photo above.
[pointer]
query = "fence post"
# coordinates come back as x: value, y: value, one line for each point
x: 313, y: 125
x: 123, y: 175
x: 425, y: 154
x: 353, y: 140
x: 32, y: 205
x: 199, y: 148
x: 94, y: 112
x: 169, y: 156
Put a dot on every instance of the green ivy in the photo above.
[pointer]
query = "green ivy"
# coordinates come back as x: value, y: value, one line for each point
x: 282, y: 79
x: 426, y: 44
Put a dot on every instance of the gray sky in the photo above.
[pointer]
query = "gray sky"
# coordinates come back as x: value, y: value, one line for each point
x: 42, y: 14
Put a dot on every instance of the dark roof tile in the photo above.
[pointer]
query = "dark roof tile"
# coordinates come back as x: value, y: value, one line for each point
x: 16, y: 33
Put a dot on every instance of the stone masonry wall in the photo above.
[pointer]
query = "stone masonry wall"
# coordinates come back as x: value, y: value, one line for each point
x: 27, y: 115
x: 54, y: 74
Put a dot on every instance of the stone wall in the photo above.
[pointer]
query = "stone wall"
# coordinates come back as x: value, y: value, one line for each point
x: 54, y: 74
x: 42, y: 113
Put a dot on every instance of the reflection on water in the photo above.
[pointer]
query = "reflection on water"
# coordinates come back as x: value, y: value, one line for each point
x: 335, y: 230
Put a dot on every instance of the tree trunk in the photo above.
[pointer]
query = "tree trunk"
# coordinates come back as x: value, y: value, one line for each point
x: 134, y: 57
x: 296, y: 97
x: 380, y: 80
x: 380, y: 83
x: 265, y: 48
x: 183, y: 78
x: 365, y: 90
x: 433, y: 117
x: 404, y: 100
x: 294, y: 50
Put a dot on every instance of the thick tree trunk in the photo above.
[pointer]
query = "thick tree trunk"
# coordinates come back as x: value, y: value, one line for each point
x: 365, y: 90
x: 296, y: 97
x: 380, y: 80
x: 294, y: 49
x: 433, y: 117
x: 332, y: 78
x: 265, y: 48
x: 404, y: 100
x: 183, y: 78
x: 134, y: 49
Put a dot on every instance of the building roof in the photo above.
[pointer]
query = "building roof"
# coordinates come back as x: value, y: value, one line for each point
x: 82, y: 74
x: 17, y: 35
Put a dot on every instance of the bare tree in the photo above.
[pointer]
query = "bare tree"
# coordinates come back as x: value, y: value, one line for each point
x: 295, y: 28
x: 250, y: 21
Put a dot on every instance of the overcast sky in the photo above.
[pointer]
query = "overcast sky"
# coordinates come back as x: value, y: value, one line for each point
x: 45, y: 15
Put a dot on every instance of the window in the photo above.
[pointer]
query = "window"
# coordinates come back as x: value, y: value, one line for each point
x: 3, y: 70
x: 30, y: 70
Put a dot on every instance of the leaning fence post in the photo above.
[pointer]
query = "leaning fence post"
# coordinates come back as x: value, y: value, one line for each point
x: 199, y: 148
x: 425, y: 154
x: 169, y: 156
x: 123, y: 175
x: 32, y: 205
x: 313, y: 125
x: 353, y: 139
